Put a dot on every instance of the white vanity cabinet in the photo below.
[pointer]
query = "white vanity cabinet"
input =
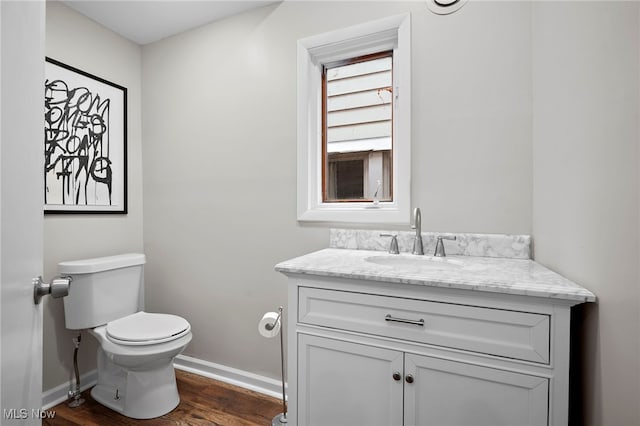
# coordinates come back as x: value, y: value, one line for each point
x: 444, y: 392
x: 343, y: 383
x: 356, y: 384
x: 372, y: 356
x: 377, y: 350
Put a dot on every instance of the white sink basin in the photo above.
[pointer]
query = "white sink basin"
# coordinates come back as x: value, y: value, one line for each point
x: 415, y: 261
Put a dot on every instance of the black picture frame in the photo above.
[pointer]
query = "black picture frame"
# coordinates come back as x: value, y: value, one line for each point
x: 85, y: 142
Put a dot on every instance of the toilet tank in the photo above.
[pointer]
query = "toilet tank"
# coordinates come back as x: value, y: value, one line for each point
x: 103, y: 289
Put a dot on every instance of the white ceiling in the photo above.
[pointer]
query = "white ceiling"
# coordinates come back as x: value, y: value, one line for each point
x: 146, y: 21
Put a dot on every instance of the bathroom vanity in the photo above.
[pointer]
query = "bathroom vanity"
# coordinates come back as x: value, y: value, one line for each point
x: 381, y: 339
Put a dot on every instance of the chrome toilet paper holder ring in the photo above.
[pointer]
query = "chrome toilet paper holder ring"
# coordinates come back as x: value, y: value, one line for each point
x: 272, y: 326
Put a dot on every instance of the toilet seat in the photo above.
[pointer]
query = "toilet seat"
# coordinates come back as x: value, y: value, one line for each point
x: 143, y: 328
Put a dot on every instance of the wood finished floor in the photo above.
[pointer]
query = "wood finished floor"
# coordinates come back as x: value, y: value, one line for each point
x: 203, y: 401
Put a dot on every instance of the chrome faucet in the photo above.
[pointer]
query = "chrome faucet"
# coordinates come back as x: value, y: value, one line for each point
x: 393, y: 246
x: 416, y: 223
x: 440, y: 246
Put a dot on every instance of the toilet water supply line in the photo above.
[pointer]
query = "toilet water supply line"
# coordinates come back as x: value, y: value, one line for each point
x: 75, y: 395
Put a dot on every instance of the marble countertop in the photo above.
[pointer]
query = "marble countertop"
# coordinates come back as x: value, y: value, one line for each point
x: 494, y: 275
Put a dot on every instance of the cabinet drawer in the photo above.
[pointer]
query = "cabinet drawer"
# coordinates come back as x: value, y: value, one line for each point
x: 511, y: 334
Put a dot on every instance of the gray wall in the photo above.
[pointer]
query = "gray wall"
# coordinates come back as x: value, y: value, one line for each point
x: 77, y: 41
x: 525, y: 120
x: 585, y: 197
x: 219, y: 146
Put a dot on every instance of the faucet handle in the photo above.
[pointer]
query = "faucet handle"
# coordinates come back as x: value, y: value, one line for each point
x: 439, y: 252
x: 393, y: 246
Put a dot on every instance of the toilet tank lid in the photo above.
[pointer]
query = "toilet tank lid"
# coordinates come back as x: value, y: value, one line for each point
x: 99, y: 264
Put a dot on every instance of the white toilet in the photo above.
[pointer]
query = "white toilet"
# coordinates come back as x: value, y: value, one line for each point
x: 135, y: 359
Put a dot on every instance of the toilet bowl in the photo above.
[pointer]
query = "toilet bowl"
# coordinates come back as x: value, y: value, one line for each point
x: 135, y: 363
x: 135, y: 359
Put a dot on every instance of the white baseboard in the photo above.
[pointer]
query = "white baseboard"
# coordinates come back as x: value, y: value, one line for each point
x: 243, y: 379
x: 60, y: 393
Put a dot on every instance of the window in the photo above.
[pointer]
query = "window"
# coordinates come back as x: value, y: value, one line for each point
x: 354, y: 124
x: 357, y: 129
x: 346, y: 178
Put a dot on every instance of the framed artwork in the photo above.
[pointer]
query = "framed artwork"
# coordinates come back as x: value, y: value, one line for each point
x: 85, y: 142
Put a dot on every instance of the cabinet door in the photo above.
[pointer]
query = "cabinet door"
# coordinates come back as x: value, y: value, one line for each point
x: 449, y: 393
x: 347, y: 384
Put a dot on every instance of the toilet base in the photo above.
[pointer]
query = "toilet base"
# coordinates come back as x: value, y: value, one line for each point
x: 136, y: 394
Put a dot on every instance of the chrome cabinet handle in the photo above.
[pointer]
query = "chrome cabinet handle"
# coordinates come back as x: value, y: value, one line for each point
x: 419, y: 322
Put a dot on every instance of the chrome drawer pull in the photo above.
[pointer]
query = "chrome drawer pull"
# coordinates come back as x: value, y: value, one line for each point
x: 420, y: 322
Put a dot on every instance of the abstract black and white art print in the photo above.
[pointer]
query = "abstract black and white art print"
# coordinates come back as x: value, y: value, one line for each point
x: 85, y: 142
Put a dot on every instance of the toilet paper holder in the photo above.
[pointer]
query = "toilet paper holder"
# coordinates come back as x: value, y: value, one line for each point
x: 279, y: 419
x: 275, y: 322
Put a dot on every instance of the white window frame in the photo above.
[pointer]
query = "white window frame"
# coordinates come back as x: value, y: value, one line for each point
x: 392, y: 33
